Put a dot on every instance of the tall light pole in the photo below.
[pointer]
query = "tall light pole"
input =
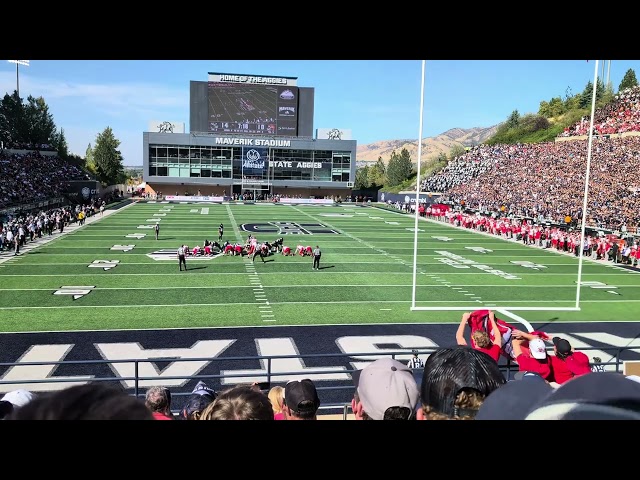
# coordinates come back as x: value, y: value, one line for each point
x: 18, y: 63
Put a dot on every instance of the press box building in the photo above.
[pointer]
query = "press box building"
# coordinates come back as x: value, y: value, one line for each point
x: 249, y: 133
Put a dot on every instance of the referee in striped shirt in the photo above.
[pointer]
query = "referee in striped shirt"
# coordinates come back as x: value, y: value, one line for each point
x: 181, y: 258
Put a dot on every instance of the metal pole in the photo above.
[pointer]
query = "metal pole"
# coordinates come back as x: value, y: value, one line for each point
x: 415, y: 233
x: 608, y: 73
x: 18, y: 79
x: 586, y: 188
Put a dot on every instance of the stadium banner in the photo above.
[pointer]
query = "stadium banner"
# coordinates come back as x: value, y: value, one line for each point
x: 406, y: 197
x: 192, y: 198
x: 333, y: 134
x: 307, y: 201
x: 81, y: 190
x: 251, y: 79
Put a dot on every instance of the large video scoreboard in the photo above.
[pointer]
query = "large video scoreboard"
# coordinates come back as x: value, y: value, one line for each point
x: 252, y: 105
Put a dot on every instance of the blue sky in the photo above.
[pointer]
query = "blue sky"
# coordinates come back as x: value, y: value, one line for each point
x: 375, y: 99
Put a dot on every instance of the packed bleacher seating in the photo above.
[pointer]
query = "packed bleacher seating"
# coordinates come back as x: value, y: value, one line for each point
x: 547, y: 180
x: 30, y: 177
x: 620, y: 116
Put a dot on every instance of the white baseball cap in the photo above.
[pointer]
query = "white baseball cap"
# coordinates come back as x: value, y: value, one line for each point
x: 19, y: 398
x: 538, y: 349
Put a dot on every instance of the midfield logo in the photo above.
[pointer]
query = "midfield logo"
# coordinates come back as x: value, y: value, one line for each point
x: 172, y: 254
x: 288, y: 228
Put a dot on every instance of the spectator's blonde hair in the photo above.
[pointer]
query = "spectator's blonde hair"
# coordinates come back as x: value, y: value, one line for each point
x: 467, y: 400
x: 276, y: 397
x: 481, y: 339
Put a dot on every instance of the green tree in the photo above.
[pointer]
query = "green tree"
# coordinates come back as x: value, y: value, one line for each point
x: 513, y: 120
x: 41, y: 127
x: 399, y: 168
x: 12, y: 128
x: 532, y: 123
x: 544, y: 109
x: 108, y: 159
x: 362, y: 178
x: 629, y: 80
x: 59, y: 142
x: 378, y: 174
x: 90, y: 162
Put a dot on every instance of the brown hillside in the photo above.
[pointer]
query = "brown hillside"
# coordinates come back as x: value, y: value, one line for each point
x: 431, y: 146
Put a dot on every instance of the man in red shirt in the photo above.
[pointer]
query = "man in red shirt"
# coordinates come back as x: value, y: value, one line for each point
x: 567, y: 363
x: 536, y: 361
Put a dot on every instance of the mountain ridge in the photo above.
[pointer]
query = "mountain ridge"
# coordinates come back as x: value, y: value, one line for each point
x: 431, y: 146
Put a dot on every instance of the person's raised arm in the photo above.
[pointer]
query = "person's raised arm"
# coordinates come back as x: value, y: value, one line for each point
x: 497, y: 336
x: 460, y: 333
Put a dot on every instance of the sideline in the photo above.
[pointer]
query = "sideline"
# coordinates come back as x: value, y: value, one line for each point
x: 7, y: 256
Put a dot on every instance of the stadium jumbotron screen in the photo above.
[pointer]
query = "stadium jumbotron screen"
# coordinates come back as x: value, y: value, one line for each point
x: 253, y: 109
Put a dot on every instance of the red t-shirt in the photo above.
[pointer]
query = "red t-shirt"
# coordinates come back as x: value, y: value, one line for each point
x: 530, y: 364
x: 493, y: 351
x: 574, y: 365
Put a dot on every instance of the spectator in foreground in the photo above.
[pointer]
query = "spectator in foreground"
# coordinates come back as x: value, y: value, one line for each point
x: 567, y: 363
x: 13, y: 400
x: 158, y: 401
x: 200, y: 398
x: 276, y: 397
x: 601, y: 396
x: 455, y: 382
x: 301, y: 401
x: 92, y: 401
x: 385, y: 390
x: 242, y: 402
x: 514, y: 400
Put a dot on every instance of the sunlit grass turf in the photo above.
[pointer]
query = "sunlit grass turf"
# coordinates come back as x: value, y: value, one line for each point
x: 366, y: 275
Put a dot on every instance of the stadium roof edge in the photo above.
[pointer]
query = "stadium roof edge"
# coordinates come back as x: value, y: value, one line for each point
x: 252, y: 75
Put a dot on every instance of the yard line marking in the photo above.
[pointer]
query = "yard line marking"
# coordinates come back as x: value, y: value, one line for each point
x: 257, y: 287
x: 333, y: 302
x: 258, y: 293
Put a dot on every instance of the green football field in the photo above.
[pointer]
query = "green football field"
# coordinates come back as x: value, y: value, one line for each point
x: 113, y: 274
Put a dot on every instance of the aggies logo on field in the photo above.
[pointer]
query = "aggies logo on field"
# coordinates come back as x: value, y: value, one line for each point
x: 172, y: 254
x: 288, y: 228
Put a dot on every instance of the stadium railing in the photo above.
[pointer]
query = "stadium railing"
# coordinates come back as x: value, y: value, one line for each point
x: 345, y: 392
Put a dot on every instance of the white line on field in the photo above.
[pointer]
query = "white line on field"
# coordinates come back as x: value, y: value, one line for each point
x: 517, y: 318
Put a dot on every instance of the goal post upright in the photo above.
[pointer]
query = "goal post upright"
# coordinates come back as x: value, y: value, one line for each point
x: 586, y: 186
x: 416, y: 214
x: 576, y: 307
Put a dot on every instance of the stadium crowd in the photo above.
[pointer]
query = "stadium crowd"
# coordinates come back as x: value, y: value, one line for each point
x: 31, y: 177
x: 620, y: 116
x: 623, y: 249
x: 461, y: 382
x: 546, y: 181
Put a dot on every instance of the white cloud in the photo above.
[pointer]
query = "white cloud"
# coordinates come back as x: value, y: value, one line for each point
x: 84, y: 109
x: 120, y: 98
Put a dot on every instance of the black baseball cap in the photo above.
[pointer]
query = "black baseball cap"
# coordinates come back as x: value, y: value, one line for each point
x: 562, y: 346
x: 448, y: 371
x: 301, y: 396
